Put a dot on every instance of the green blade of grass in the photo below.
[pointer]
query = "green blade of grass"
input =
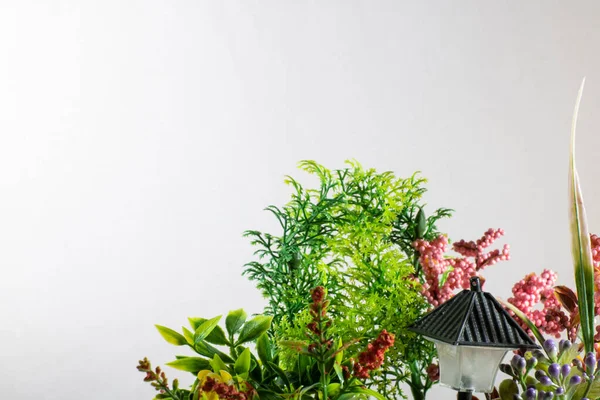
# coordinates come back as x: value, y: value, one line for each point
x: 536, y: 332
x: 580, y: 244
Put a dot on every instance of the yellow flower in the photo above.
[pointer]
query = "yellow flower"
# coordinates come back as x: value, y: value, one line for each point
x: 223, y: 376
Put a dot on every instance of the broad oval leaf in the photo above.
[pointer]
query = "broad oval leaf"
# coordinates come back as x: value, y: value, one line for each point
x: 333, y: 389
x: 264, y: 349
x: 171, y: 336
x: 593, y: 393
x: 205, y: 329
x: 217, y: 364
x: 254, y: 328
x: 242, y: 364
x: 508, y: 388
x: 190, y: 364
x: 216, y: 336
x: 234, y: 321
x: 566, y: 297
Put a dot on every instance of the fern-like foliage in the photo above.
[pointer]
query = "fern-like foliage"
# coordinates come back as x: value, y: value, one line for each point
x: 352, y: 234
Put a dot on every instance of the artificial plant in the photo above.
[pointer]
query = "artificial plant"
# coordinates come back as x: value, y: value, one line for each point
x: 326, y: 369
x: 353, y: 235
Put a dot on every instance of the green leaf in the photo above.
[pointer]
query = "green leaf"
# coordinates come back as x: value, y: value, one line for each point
x: 333, y: 389
x: 580, y: 244
x: 217, y: 364
x: 536, y: 332
x: 507, y: 389
x: 216, y: 336
x: 189, y: 336
x: 281, y: 373
x: 339, y: 354
x: 339, y: 372
x: 254, y: 328
x: 205, y: 329
x: 361, y: 390
x: 421, y: 226
x: 445, y: 275
x: 205, y: 349
x: 190, y: 364
x: 594, y: 392
x: 264, y: 394
x: 242, y: 364
x: 234, y: 321
x: 568, y: 355
x: 171, y: 336
x: 256, y: 372
x: 264, y: 348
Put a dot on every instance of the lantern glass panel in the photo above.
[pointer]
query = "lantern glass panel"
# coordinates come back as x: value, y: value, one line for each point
x: 469, y: 368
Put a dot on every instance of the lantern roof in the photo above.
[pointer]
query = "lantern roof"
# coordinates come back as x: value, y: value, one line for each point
x: 473, y: 318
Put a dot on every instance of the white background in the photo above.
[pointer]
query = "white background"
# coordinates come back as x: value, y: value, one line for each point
x: 138, y: 139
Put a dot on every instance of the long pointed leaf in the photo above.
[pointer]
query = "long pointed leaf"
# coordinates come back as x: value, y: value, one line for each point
x: 536, y: 332
x: 580, y: 244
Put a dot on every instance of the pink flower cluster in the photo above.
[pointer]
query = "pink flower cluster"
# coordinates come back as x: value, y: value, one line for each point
x: 443, y: 275
x: 533, y: 290
x: 553, y: 317
x: 476, y: 249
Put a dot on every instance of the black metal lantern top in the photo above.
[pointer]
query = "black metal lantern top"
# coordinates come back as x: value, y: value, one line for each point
x: 473, y: 318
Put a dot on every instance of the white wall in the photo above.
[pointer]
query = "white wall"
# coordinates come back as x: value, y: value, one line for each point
x: 138, y: 139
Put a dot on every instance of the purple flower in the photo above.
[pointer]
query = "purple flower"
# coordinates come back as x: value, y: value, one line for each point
x: 554, y: 370
x: 560, y: 391
x: 531, y: 363
x: 537, y: 353
x: 541, y: 394
x: 590, y: 362
x: 545, y: 381
x: 575, y: 380
x: 539, y: 374
x: 530, y: 394
x: 518, y: 364
x: 565, y: 370
x: 550, y: 348
x: 564, y: 345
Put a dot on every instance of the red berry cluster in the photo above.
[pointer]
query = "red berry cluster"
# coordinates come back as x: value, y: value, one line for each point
x: 373, y: 357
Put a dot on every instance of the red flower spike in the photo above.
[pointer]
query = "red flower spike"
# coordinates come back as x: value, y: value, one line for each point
x: 373, y: 357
